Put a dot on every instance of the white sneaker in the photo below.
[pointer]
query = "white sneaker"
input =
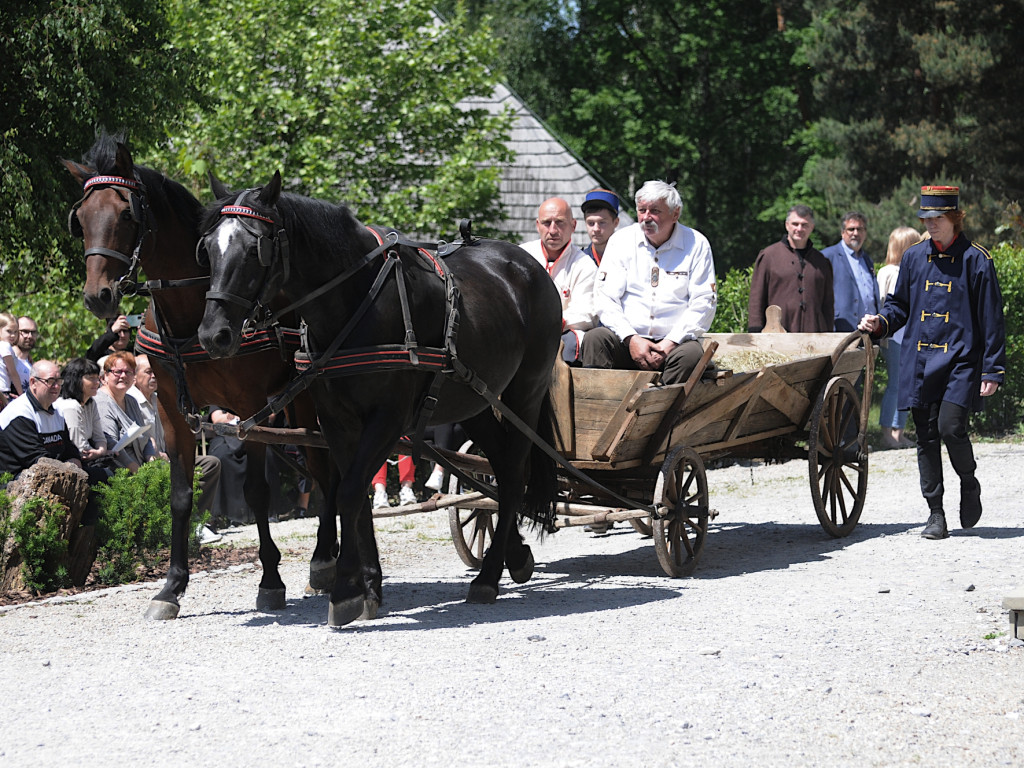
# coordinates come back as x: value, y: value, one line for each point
x: 436, y: 478
x: 406, y: 497
x: 208, y: 536
x: 380, y: 499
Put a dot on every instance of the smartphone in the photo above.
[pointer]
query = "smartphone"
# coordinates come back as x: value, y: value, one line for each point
x: 134, y: 320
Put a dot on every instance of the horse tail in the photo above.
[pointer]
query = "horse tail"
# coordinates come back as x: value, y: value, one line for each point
x: 542, y: 486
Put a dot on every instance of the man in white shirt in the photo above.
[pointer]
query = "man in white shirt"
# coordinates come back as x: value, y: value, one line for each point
x: 571, y: 270
x: 655, y: 292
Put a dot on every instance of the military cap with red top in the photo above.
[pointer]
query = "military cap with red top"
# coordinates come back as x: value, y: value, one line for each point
x: 936, y: 201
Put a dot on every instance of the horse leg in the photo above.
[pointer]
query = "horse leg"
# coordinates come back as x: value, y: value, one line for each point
x: 271, y: 593
x: 501, y: 450
x: 324, y: 562
x: 357, y: 591
x: 165, y: 604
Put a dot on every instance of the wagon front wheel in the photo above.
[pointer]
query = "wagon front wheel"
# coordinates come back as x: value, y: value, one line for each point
x: 682, y: 494
x: 837, y: 458
x: 472, y: 529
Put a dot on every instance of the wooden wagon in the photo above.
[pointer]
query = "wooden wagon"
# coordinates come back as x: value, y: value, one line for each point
x: 642, y: 446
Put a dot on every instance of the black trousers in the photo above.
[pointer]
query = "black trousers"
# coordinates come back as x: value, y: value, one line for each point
x: 603, y: 349
x: 947, y: 423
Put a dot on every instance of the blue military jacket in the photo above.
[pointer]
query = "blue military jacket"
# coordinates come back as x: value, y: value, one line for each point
x: 952, y: 307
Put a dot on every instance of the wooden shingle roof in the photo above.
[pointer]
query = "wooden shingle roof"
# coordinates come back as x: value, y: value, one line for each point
x: 542, y: 167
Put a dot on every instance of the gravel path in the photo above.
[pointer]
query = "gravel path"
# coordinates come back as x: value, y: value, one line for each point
x: 786, y: 648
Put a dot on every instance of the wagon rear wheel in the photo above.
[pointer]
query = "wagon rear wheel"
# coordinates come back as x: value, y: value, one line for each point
x: 682, y: 493
x: 837, y: 458
x: 472, y: 529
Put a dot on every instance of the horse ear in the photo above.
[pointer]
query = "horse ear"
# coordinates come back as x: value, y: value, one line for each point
x: 80, y: 172
x: 272, y: 191
x: 220, y: 190
x: 123, y: 161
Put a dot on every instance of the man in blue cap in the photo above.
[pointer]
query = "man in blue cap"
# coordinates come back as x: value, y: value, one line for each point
x: 954, y: 348
x: 601, y: 214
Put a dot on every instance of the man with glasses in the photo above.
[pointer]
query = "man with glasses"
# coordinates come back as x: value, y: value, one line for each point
x: 32, y: 427
x: 655, y: 291
x: 853, y: 274
x: 28, y: 335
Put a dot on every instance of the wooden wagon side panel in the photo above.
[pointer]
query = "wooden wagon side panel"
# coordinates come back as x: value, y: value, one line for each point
x: 602, y: 406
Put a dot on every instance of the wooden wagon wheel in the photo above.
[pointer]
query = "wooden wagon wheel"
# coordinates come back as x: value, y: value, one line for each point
x: 472, y: 529
x: 837, y: 457
x: 682, y: 492
x: 642, y: 525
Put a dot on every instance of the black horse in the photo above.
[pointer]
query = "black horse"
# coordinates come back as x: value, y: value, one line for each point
x: 504, y: 307
x: 132, y: 211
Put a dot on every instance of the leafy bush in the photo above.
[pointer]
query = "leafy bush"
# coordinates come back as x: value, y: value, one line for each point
x: 1004, y: 411
x: 43, y: 548
x: 733, y: 299
x: 135, y: 521
x: 5, y: 518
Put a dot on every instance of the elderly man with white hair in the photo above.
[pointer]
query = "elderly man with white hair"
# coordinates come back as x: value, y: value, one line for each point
x: 655, y: 291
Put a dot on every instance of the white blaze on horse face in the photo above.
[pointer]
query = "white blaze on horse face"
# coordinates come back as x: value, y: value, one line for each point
x: 226, y: 233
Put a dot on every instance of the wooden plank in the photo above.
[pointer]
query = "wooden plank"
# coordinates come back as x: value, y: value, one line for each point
x: 792, y: 345
x: 623, y: 416
x: 692, y: 380
x: 785, y: 398
x: 562, y: 422
x: 602, y: 384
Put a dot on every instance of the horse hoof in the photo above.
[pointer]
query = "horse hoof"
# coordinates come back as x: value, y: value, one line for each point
x: 311, y: 591
x: 522, y: 574
x: 370, y: 609
x: 321, y: 577
x: 270, y: 599
x: 482, y: 594
x: 161, y: 610
x: 344, y: 611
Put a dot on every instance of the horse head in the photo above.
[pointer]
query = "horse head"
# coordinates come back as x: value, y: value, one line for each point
x: 245, y: 245
x: 113, y: 220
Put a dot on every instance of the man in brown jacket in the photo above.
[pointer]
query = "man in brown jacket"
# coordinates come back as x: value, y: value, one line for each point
x: 795, y: 276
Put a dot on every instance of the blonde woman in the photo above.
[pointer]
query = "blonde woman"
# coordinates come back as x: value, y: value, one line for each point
x: 891, y: 420
x: 10, y: 381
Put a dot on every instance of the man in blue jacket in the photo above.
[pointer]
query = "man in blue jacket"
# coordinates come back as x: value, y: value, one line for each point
x: 954, y: 351
x: 853, y: 274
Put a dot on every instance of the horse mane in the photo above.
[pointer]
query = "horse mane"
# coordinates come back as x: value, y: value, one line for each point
x: 333, y: 223
x: 161, y: 191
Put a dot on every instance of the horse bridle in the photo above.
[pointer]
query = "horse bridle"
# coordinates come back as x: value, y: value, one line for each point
x: 267, y: 248
x: 127, y: 284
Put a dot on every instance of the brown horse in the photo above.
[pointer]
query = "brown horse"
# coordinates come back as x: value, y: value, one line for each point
x: 131, y: 217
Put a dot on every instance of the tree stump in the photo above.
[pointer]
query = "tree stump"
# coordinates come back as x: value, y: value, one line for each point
x: 68, y: 487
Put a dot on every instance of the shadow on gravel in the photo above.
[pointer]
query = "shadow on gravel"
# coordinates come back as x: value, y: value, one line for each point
x: 734, y: 549
x: 435, y: 604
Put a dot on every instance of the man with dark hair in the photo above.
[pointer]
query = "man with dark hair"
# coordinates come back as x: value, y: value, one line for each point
x: 854, y: 289
x: 601, y: 215
x: 28, y: 335
x: 794, y: 276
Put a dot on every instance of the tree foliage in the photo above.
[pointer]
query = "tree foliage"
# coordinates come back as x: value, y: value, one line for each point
x: 68, y: 67
x: 701, y: 94
x: 914, y: 93
x: 354, y: 101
